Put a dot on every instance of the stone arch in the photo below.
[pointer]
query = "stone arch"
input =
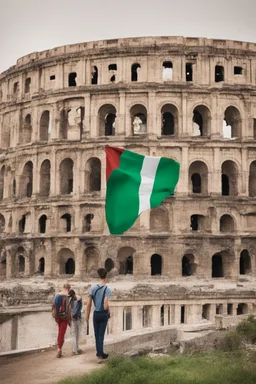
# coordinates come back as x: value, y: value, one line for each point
x: 45, y: 178
x: 188, y: 265
x: 245, y: 266
x: 227, y: 223
x: 41, y: 266
x: 242, y: 309
x: 27, y: 130
x: 66, y: 176
x: 252, y: 179
x: 232, y: 122
x: 229, y: 178
x: 201, y: 121
x: 26, y: 180
x: 138, y: 113
x: 159, y: 220
x: 198, y: 177
x: 64, y: 256
x: 2, y: 223
x: 42, y: 223
x: 44, y: 126
x: 106, y: 120
x: 91, y: 256
x: 169, y: 115
x: 2, y: 176
x: 156, y: 262
x: 134, y: 72
x: 109, y: 264
x: 66, y: 222
x: 222, y: 263
x: 217, y: 266
x: 125, y: 259
x: 93, y: 175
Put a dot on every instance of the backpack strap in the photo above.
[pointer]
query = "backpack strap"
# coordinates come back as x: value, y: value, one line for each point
x: 103, y: 297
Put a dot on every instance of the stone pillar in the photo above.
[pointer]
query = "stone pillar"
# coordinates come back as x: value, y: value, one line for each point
x: 243, y: 188
x: 36, y: 177
x: 87, y: 114
x: 166, y: 314
x: 156, y: 316
x: 55, y: 117
x: 9, y: 263
x: 88, y: 74
x: 215, y: 182
x: 76, y: 175
x: 182, y: 186
x: 117, y: 319
x: 177, y: 314
x: 185, y: 127
x: 141, y: 264
x: 34, y: 122
x: 120, y: 129
x: 152, y: 128
x: 60, y: 76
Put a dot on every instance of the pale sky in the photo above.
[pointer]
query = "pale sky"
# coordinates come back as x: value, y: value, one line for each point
x: 34, y: 25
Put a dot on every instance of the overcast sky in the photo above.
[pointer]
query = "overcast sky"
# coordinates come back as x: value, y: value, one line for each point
x: 35, y: 25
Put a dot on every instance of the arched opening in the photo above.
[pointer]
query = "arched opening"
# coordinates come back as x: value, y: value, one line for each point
x: 169, y: 120
x: 109, y: 265
x: 112, y: 72
x: 66, y: 222
x: 63, y: 124
x: 229, y: 178
x: 44, y: 126
x: 167, y: 71
x: 88, y: 222
x: 159, y: 220
x: 201, y: 121
x: 242, y: 309
x: 70, y: 267
x: 189, y: 72
x: 217, y: 266
x: 21, y: 259
x: 45, y: 178
x: 91, y: 259
x: 135, y: 72
x: 198, y: 177
x: 156, y: 265
x: 94, y: 79
x: 41, y: 265
x: 219, y: 73
x: 125, y: 258
x: 232, y: 124
x: 14, y: 188
x: 26, y: 180
x: 27, y: 130
x: 106, y: 120
x: 206, y: 311
x: 252, y: 179
x: 66, y: 177
x: 245, y: 263
x: 27, y: 85
x: 138, y: 115
x: 2, y: 173
x: 2, y: 223
x: 197, y: 222
x: 64, y: 257
x: 93, y: 175
x: 72, y: 79
x: 227, y: 224
x: 188, y: 265
x: 42, y: 224
x: 22, y: 224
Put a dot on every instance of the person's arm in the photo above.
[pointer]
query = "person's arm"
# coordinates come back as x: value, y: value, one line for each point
x: 106, y: 304
x: 107, y: 296
x: 88, y: 308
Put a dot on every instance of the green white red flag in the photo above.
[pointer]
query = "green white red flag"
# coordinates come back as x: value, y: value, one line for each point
x: 136, y: 183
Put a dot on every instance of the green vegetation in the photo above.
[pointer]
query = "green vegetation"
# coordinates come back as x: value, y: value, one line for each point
x: 232, y: 363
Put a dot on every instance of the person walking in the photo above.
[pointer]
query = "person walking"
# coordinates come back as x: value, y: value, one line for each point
x: 61, y: 311
x: 99, y: 295
x: 76, y: 311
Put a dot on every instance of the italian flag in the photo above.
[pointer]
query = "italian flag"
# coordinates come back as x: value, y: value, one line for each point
x: 135, y: 183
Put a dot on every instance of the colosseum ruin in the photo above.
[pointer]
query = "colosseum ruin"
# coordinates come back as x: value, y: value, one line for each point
x: 191, y: 260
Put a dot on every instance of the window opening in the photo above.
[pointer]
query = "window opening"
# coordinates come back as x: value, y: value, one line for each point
x: 67, y: 217
x: 41, y: 265
x: 94, y: 75
x: 14, y: 187
x: 186, y: 266
x: 238, y: 70
x: 21, y: 263
x: 88, y: 222
x: 129, y: 265
x: 225, y: 185
x: 217, y: 268
x: 15, y: 87
x: 42, y: 224
x: 156, y: 265
x: 22, y: 224
x: 189, y: 72
x: 254, y: 129
x: 219, y: 73
x: 70, y: 267
x: 134, y: 70
x: 182, y: 314
x: 112, y: 69
x: 167, y: 123
x: 110, y: 124
x: 27, y: 85
x: 245, y: 262
x: 167, y: 70
x: 72, y: 79
x: 196, y: 183
x: 109, y: 265
x: 198, y: 124
x: 162, y: 316
x: 194, y: 222
x: 52, y: 77
x: 230, y: 309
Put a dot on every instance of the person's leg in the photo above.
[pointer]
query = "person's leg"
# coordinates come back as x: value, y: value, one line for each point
x: 62, y: 330
x: 96, y: 325
x: 73, y: 333
x: 78, y: 334
x: 102, y: 329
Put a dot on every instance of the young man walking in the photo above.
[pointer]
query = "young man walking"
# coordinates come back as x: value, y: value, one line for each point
x: 99, y: 295
x: 61, y: 311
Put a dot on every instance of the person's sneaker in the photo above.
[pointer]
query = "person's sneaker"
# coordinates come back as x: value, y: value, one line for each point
x: 103, y: 356
x: 58, y: 353
x: 80, y: 350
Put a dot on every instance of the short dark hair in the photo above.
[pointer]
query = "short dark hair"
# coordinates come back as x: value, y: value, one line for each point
x: 72, y: 293
x: 102, y: 273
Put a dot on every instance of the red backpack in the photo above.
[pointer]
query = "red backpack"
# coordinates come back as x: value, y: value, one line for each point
x: 61, y: 307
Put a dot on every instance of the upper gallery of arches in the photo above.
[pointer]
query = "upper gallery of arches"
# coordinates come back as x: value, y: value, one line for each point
x: 89, y: 67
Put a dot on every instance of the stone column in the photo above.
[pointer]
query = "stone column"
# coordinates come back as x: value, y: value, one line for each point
x: 156, y: 316
x: 182, y: 186
x: 9, y: 263
x: 152, y: 128
x: 120, y: 129
x: 76, y: 175
x: 185, y: 126
x: 177, y: 314
x: 141, y: 264
x: 60, y: 76
x: 55, y: 117
x: 215, y: 182
x: 243, y: 188
x: 88, y: 70
x: 87, y: 116
x: 117, y: 319
x: 166, y: 314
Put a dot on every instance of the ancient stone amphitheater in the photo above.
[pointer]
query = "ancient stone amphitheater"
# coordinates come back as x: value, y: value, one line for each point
x: 191, y: 99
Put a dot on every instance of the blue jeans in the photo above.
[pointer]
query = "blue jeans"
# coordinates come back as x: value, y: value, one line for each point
x: 100, y: 321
